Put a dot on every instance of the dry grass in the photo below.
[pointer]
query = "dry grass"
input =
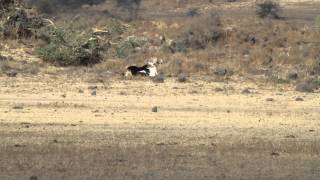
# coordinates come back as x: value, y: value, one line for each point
x: 53, y: 127
x: 248, y: 45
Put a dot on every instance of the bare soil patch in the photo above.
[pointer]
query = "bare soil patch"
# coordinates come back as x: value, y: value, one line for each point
x: 196, y: 133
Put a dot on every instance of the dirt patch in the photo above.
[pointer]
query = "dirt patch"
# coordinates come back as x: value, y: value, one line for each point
x: 206, y: 134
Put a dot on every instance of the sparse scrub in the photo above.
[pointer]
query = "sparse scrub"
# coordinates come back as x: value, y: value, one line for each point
x: 15, y: 22
x: 268, y: 8
x: 19, y: 25
x: 62, y: 47
x: 199, y: 33
x: 130, y: 45
x: 115, y: 27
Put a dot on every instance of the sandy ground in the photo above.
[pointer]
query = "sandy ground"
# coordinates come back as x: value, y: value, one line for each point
x: 53, y: 127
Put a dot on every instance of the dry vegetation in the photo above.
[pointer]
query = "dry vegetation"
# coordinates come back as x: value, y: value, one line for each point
x: 237, y: 97
x: 196, y: 43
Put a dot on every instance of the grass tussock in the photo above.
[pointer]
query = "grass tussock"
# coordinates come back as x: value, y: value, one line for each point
x: 268, y: 8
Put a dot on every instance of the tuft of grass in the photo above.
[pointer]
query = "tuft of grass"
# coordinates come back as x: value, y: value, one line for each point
x: 268, y: 8
x: 282, y: 81
x: 317, y: 82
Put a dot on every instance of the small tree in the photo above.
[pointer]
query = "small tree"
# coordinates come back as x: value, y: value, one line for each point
x: 268, y: 8
x: 64, y: 47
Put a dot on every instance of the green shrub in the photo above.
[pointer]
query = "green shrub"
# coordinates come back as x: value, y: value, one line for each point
x: 130, y: 45
x: 268, y: 8
x: 282, y: 81
x: 64, y: 48
x: 15, y: 23
x: 317, y: 82
x: 317, y: 21
x: 115, y: 27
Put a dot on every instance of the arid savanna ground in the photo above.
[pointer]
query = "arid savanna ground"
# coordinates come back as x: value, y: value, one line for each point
x: 91, y: 123
x: 54, y: 128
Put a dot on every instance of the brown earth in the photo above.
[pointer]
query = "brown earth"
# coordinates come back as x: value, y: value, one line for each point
x: 53, y: 128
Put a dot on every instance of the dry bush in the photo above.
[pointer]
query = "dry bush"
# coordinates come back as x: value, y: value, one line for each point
x: 129, y: 46
x: 254, y: 47
x: 199, y: 32
x: 273, y: 48
x: 268, y: 8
